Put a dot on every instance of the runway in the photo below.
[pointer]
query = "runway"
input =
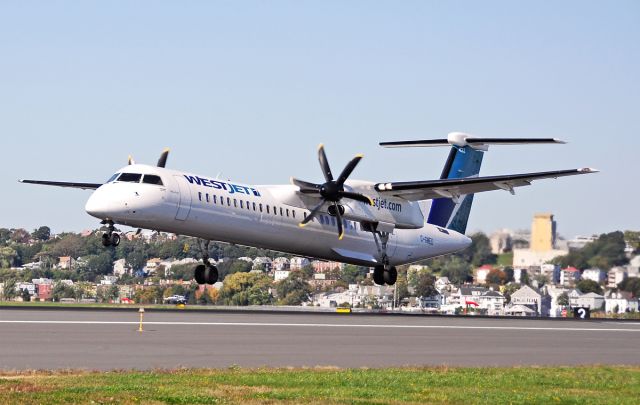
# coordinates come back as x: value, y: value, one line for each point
x: 106, y: 340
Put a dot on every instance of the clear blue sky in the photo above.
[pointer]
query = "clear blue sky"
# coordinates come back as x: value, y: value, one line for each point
x: 249, y: 89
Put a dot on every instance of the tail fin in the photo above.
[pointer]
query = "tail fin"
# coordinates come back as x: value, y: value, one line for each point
x: 449, y: 213
x: 465, y: 159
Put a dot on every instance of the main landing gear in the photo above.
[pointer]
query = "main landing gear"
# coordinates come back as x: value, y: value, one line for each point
x: 205, y: 273
x: 383, y: 273
x: 110, y: 237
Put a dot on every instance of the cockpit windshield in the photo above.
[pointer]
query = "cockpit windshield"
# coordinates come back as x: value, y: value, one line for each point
x: 152, y: 179
x: 130, y: 177
x: 112, y: 178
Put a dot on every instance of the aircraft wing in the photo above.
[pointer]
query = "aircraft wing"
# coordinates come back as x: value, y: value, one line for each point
x: 454, y: 188
x: 84, y: 186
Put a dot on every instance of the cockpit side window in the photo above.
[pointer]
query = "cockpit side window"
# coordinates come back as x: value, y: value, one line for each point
x: 152, y: 179
x: 112, y: 178
x: 130, y: 177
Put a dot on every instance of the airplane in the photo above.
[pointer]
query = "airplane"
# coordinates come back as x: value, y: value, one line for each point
x: 378, y: 224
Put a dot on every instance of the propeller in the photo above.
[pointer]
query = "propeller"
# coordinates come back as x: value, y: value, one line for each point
x: 332, y: 190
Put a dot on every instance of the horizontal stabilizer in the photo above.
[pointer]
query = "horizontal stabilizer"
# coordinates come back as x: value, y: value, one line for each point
x: 461, y: 140
x: 84, y: 186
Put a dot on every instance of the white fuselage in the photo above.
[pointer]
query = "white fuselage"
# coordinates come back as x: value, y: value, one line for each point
x: 267, y: 217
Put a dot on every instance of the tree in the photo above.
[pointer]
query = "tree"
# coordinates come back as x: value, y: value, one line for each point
x: 61, y: 290
x: 631, y: 285
x: 563, y: 299
x: 24, y: 293
x: 20, y: 235
x: 587, y: 286
x: 293, y: 290
x: 43, y: 233
x: 605, y: 252
x: 423, y: 284
x: 457, y: 270
x: 7, y: 256
x: 481, y: 248
x: 9, y: 290
x: 633, y: 239
x: 246, y: 289
x: 496, y: 277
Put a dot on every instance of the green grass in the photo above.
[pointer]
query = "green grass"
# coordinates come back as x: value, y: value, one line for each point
x: 505, y: 259
x: 526, y: 385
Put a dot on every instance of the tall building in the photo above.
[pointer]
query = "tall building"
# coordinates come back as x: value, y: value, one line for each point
x: 543, y: 233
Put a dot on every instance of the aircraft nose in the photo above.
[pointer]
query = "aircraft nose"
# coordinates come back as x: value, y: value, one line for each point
x: 98, y: 206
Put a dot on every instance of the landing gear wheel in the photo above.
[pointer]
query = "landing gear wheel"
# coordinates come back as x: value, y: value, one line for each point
x: 211, y: 274
x: 106, y: 240
x: 198, y: 274
x: 391, y: 275
x: 115, y: 239
x: 378, y: 275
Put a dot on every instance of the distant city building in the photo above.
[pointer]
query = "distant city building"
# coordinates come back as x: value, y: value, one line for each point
x: 120, y: 267
x: 597, y: 275
x: 320, y: 266
x: 620, y: 302
x: 279, y: 275
x: 297, y: 263
x: 280, y: 263
x: 66, y: 262
x: 580, y: 241
x: 590, y: 300
x: 569, y: 276
x: 616, y: 276
x: 543, y: 233
x: 500, y: 242
x: 528, y: 297
x: 480, y: 274
x: 551, y: 272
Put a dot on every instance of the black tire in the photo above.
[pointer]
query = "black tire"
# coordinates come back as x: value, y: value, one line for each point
x: 378, y: 275
x: 211, y: 274
x: 198, y: 274
x: 115, y: 239
x: 106, y: 240
x: 391, y: 275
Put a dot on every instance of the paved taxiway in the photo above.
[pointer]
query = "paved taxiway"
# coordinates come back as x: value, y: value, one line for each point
x: 39, y: 339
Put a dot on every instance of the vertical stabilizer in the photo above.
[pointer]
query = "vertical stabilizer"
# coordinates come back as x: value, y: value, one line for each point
x: 454, y: 213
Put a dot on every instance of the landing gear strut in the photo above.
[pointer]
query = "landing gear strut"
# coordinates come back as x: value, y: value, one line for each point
x: 205, y: 273
x: 383, y: 273
x: 110, y: 237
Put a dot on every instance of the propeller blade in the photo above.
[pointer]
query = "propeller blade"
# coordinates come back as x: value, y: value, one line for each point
x: 305, y: 186
x: 130, y: 161
x: 339, y: 221
x: 324, y: 164
x: 162, y: 162
x: 312, y: 214
x: 356, y: 196
x: 346, y: 172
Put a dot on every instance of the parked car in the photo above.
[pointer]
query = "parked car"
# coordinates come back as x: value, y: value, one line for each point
x: 176, y: 299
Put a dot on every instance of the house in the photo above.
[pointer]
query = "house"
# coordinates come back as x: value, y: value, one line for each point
x: 597, y: 275
x: 554, y: 292
x: 551, y: 272
x: 152, y: 265
x: 492, y: 302
x: 279, y: 275
x: 620, y: 302
x: 44, y: 291
x: 297, y: 263
x: 320, y: 280
x: 120, y: 267
x: 325, y: 267
x: 480, y: 274
x: 246, y: 259
x: 262, y: 263
x: 519, y: 310
x: 465, y: 294
x: 529, y: 297
x: 280, y: 263
x: 569, y: 277
x: 590, y: 300
x: 108, y: 280
x: 66, y: 262
x: 616, y: 276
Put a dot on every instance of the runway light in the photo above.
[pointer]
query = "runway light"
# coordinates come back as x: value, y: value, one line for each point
x: 141, y: 312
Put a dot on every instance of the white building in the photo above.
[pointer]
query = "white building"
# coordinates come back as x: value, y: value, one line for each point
x: 279, y: 275
x: 620, y: 302
x: 616, y: 276
x: 569, y: 276
x: 492, y: 302
x: 262, y: 262
x: 551, y: 272
x: 597, y: 275
x: 108, y: 280
x: 555, y: 309
x: 480, y: 274
x: 589, y: 300
x: 297, y: 263
x: 523, y: 258
x: 121, y: 268
x: 280, y: 263
x: 529, y: 297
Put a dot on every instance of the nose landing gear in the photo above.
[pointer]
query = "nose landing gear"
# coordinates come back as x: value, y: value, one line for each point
x: 110, y: 237
x: 205, y: 273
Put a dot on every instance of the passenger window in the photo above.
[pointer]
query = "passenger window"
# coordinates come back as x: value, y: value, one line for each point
x: 215, y: 199
x: 254, y: 206
x: 207, y: 195
x: 281, y: 212
x: 228, y: 202
x: 199, y: 196
x: 287, y: 212
x: 260, y: 207
x: 267, y: 209
x: 293, y: 213
x: 248, y: 205
x: 130, y: 177
x: 221, y: 200
x: 241, y: 204
x: 275, y: 210
x: 152, y: 179
x: 235, y: 203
